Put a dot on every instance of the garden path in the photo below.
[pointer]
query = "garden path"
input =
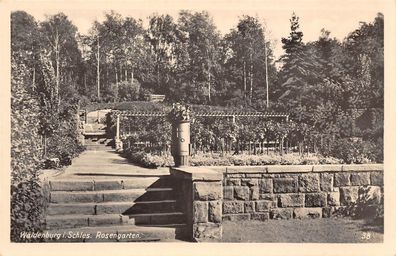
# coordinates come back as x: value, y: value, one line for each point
x: 98, y: 165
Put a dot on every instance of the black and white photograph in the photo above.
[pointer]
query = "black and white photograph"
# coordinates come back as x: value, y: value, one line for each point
x: 187, y: 123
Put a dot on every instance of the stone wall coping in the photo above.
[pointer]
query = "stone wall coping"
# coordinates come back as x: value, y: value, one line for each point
x: 196, y: 173
x: 300, y: 168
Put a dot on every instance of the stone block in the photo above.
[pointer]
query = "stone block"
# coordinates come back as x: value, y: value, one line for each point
x: 305, y: 213
x: 236, y: 217
x: 207, y: 232
x: 249, y: 207
x: 249, y: 182
x: 242, y: 192
x: 309, y: 183
x: 326, y: 182
x: 262, y: 216
x: 266, y: 185
x: 281, y: 214
x: 108, y: 185
x: 235, y: 175
x: 271, y: 197
x: 254, y: 193
x: 315, y: 199
x: 233, y: 182
x: 228, y: 193
x: 200, y: 212
x: 348, y: 195
x: 208, y: 191
x: 285, y: 185
x: 342, y: 179
x: 377, y: 178
x: 265, y: 205
x: 71, y: 185
x: 360, y: 178
x: 215, y: 211
x: 232, y: 207
x: 291, y: 200
x: 333, y: 199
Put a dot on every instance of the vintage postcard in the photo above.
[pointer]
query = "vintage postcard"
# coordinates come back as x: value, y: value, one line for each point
x: 198, y: 127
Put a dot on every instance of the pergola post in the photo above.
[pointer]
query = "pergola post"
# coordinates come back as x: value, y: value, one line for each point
x: 118, y: 142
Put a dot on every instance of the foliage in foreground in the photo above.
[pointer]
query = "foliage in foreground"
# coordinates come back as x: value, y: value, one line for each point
x: 26, y: 199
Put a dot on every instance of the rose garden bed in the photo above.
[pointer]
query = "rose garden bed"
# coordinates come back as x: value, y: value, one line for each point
x: 215, y: 159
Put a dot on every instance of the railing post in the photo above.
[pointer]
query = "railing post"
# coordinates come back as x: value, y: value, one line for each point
x: 118, y: 142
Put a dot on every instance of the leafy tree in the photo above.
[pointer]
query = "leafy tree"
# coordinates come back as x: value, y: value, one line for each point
x: 60, y: 43
x: 202, y: 43
x: 246, y: 50
x: 165, y: 42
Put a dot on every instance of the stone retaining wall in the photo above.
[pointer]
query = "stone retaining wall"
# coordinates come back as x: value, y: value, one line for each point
x: 209, y: 195
x: 285, y: 192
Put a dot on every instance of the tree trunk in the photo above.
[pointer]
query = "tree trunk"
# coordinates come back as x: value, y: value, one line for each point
x: 34, y: 78
x: 266, y: 75
x: 209, y: 85
x: 251, y: 80
x: 116, y: 77
x: 244, y: 79
x: 85, y: 82
x: 57, y: 60
x: 267, y: 147
x: 281, y: 146
x: 98, y: 70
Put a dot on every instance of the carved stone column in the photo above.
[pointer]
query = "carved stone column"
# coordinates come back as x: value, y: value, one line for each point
x: 180, y: 119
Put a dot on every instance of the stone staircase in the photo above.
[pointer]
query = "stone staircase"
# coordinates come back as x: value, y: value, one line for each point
x: 98, y: 143
x: 101, y: 193
x: 141, y: 205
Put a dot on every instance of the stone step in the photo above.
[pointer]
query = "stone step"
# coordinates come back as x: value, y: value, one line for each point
x: 102, y: 141
x: 119, y: 233
x: 81, y: 185
x: 99, y: 148
x: 74, y: 221
x: 158, y: 218
x: 125, y: 195
x: 112, y: 208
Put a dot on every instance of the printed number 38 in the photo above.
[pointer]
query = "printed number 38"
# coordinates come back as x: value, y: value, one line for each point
x: 366, y: 236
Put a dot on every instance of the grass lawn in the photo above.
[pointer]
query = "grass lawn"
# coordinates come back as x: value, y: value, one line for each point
x: 343, y: 230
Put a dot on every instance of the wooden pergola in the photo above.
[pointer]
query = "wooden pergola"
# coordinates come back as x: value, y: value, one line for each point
x: 233, y: 115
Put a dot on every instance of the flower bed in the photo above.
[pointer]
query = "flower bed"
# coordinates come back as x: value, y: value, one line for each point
x: 154, y: 161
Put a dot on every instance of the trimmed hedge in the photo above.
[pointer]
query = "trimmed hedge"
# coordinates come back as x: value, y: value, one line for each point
x: 26, y: 199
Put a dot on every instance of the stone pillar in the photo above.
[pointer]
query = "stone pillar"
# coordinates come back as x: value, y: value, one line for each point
x: 200, y: 197
x: 180, y: 119
x: 118, y: 142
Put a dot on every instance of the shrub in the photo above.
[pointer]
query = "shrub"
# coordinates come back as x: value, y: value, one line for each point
x: 369, y: 204
x: 355, y: 151
x: 128, y: 91
x: 63, y: 142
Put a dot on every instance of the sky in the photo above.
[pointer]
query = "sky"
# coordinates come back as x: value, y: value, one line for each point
x: 339, y: 17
